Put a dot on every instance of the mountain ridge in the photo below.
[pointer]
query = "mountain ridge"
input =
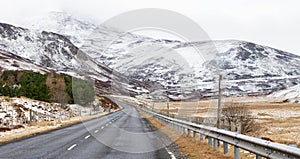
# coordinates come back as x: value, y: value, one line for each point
x: 52, y: 51
x: 247, y: 68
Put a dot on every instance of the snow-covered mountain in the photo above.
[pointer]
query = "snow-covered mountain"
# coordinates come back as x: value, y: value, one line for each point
x: 90, y: 38
x: 183, y: 68
x: 41, y: 51
x: 42, y: 48
x: 189, y: 69
x: 247, y: 68
x: 254, y: 69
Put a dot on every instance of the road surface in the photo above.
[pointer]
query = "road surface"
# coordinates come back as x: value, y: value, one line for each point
x: 120, y: 135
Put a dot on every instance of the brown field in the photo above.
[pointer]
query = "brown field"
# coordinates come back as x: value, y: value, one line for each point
x: 276, y: 119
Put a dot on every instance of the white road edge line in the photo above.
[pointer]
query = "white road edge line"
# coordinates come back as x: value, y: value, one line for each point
x: 87, y: 137
x: 96, y: 131
x: 71, y: 147
x: 171, y: 154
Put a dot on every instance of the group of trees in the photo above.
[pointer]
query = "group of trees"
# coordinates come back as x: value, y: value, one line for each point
x: 33, y: 85
x: 29, y: 84
x: 46, y: 87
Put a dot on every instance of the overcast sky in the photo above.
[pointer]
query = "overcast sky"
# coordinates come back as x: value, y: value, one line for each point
x: 274, y: 23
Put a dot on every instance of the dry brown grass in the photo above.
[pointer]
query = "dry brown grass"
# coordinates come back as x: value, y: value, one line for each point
x: 276, y: 118
x: 189, y: 146
x: 281, y: 130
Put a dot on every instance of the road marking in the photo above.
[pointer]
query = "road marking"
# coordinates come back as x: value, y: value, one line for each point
x: 109, y: 122
x: 102, y: 127
x: 71, y: 147
x: 96, y: 131
x: 87, y: 136
x: 171, y: 154
x: 106, y: 125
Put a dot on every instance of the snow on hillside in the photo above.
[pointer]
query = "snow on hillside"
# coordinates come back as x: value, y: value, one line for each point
x: 89, y: 37
x: 63, y: 23
x: 52, y: 51
x: 19, y: 111
x: 15, y: 111
x: 247, y: 68
x: 10, y: 61
x: 182, y: 68
x: 42, y: 48
x: 289, y: 93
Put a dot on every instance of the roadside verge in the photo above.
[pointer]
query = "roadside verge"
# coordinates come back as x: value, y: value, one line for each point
x: 190, y: 147
x: 44, y: 127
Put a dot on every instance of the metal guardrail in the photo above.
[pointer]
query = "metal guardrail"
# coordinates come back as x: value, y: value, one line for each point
x: 260, y: 147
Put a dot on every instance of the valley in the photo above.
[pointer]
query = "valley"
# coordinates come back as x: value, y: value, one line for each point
x: 59, y: 72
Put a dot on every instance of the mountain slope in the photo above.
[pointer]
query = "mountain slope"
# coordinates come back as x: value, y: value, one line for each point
x: 42, y: 48
x: 11, y: 61
x: 182, y: 68
x: 292, y: 92
x: 52, y: 51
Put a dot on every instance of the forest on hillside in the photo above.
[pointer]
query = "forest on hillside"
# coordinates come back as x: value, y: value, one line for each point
x: 49, y: 87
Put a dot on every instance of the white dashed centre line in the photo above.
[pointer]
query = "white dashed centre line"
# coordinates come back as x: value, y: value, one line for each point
x: 96, y: 131
x: 87, y: 136
x: 171, y: 154
x: 71, y: 147
x: 102, y: 127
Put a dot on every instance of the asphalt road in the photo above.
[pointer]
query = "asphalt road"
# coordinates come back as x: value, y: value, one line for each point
x: 121, y: 135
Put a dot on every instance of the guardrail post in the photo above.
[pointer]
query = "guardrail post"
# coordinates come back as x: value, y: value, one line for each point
x: 236, y: 152
x: 201, y: 137
x: 216, y: 143
x: 225, y: 147
x: 209, y: 141
x: 258, y: 157
x: 194, y: 134
x: 189, y: 132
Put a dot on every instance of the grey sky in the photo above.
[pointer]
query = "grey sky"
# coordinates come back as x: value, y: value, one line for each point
x: 274, y: 23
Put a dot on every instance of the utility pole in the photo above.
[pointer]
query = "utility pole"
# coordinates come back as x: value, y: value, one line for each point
x: 219, y: 102
x: 168, y: 107
x: 153, y: 107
